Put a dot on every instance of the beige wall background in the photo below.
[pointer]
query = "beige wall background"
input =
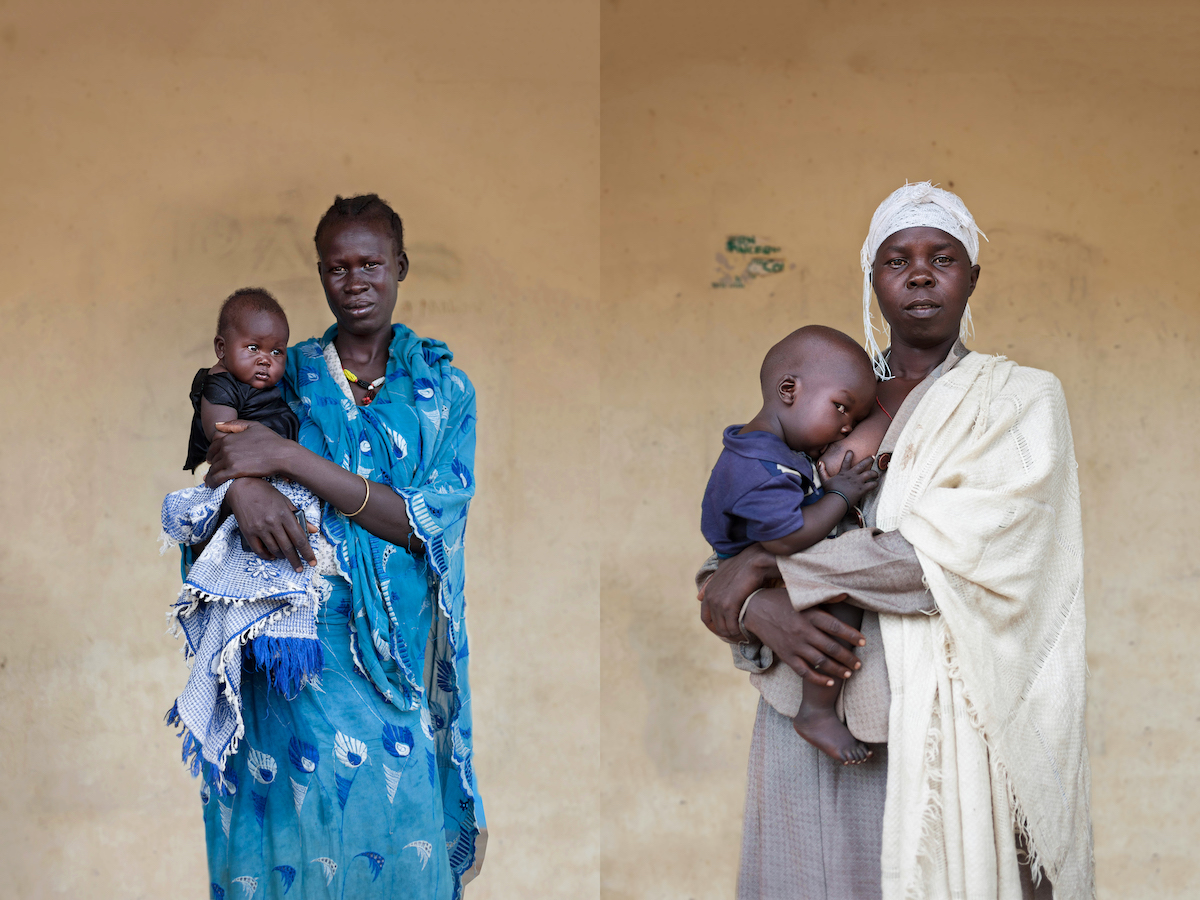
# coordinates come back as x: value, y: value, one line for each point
x: 1071, y: 131
x: 157, y: 156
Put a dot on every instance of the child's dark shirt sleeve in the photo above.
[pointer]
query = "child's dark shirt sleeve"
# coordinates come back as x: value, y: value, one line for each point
x: 771, y: 510
x: 221, y: 389
x: 755, y: 492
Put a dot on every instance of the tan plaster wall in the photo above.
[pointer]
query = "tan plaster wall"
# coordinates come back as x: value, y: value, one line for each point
x: 1071, y: 131
x: 157, y: 156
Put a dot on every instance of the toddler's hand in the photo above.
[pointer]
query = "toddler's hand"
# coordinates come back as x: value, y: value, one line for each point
x: 834, y: 457
x: 854, y: 482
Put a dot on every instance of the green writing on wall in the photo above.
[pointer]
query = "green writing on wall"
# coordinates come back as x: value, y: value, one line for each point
x: 736, y: 271
x: 743, y: 243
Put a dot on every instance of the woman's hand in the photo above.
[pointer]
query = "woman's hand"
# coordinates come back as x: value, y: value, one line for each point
x: 807, y: 641
x: 249, y: 451
x: 242, y: 449
x: 736, y: 578
x: 267, y: 522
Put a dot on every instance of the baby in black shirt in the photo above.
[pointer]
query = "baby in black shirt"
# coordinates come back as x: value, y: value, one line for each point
x: 251, y: 348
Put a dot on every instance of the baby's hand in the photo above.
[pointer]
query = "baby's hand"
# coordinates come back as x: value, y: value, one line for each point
x: 852, y: 481
x: 834, y: 457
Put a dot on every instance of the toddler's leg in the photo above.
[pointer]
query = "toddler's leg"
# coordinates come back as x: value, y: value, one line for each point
x: 817, y: 722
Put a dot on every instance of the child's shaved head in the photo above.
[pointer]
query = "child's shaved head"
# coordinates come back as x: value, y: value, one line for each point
x: 812, y: 349
x: 246, y: 300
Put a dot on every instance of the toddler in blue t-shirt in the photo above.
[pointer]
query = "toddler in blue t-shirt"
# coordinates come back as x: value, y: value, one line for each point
x: 817, y: 384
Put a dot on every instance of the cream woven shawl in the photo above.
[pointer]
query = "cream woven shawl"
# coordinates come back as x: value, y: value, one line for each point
x: 986, y: 735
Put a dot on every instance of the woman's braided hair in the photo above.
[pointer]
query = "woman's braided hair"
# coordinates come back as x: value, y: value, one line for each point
x: 366, y: 207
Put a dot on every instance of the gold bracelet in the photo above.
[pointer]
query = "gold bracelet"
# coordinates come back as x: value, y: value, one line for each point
x: 365, y: 499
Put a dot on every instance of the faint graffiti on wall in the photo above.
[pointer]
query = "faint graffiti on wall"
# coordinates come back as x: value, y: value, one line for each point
x: 746, y: 258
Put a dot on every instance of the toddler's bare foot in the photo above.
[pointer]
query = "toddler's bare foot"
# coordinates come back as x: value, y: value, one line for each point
x: 824, y: 730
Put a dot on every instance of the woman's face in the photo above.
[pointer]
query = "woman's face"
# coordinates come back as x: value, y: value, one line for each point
x: 360, y: 272
x: 922, y: 279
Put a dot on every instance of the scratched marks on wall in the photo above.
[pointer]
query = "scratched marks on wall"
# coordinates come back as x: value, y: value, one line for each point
x: 746, y: 258
x: 432, y: 259
x: 263, y: 247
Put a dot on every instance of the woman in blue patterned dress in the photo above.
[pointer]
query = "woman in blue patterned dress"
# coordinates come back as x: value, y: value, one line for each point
x: 362, y: 785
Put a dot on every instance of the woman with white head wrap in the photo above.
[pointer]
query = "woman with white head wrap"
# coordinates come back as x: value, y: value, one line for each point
x: 970, y: 578
x: 919, y: 205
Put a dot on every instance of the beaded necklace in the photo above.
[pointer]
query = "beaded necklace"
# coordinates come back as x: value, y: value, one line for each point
x: 372, y: 389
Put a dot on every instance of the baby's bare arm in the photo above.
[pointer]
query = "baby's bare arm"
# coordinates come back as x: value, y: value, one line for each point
x: 211, y: 414
x: 820, y: 518
x: 843, y: 492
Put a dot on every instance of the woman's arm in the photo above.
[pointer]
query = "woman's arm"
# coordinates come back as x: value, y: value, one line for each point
x: 879, y: 570
x: 800, y: 639
x: 736, y: 578
x: 247, y: 450
x: 791, y: 635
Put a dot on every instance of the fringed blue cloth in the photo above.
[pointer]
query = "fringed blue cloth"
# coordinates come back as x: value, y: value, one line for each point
x: 231, y: 597
x: 380, y: 796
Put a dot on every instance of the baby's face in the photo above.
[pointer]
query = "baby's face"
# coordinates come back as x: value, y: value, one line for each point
x: 827, y: 407
x: 255, y: 349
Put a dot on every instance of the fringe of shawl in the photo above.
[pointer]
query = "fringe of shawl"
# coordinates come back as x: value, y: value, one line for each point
x: 997, y: 764
x: 290, y: 664
x: 931, y: 801
x: 213, y: 775
x: 1029, y: 853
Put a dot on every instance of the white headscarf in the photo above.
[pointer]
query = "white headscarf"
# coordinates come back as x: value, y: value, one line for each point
x: 913, y: 206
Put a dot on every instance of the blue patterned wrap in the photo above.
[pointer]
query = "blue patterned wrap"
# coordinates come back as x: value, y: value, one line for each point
x: 231, y: 597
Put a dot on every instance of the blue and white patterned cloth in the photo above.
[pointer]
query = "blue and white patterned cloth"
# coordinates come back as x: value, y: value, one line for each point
x: 231, y: 597
x: 378, y: 750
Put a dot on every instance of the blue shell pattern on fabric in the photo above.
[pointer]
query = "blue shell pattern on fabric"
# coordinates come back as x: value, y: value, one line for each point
x: 418, y: 437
